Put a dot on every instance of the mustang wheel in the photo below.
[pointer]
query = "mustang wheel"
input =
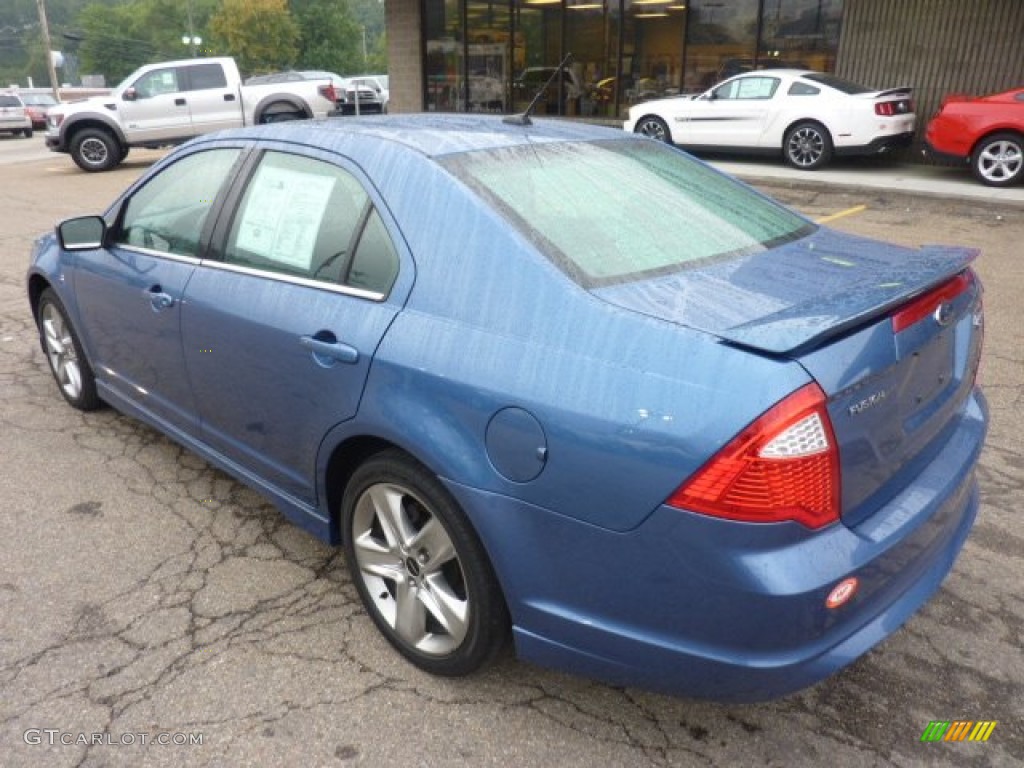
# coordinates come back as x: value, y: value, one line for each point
x: 94, y: 149
x: 64, y: 353
x: 998, y: 161
x: 807, y: 146
x: 419, y: 567
x: 654, y: 127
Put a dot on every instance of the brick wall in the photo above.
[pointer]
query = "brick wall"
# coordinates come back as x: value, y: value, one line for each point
x: 405, y: 65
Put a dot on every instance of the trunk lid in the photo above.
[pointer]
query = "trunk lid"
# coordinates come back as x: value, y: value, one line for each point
x: 792, y: 298
x: 891, y: 334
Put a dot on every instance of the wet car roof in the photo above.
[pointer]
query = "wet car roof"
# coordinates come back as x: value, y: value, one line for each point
x: 430, y: 135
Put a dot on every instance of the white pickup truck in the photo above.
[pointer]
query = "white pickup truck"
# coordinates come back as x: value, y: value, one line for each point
x: 172, y: 101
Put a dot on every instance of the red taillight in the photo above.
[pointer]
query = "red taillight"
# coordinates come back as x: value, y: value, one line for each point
x: 925, y: 305
x: 784, y: 466
x: 328, y: 92
x: 893, y: 108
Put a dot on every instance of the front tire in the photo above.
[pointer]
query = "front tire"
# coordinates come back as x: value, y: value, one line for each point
x: 998, y: 161
x: 807, y: 146
x: 419, y: 567
x: 94, y: 150
x: 64, y: 353
x: 655, y: 128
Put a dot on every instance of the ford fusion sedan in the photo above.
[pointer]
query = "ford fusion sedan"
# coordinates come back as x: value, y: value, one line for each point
x: 807, y: 117
x: 986, y: 131
x: 688, y: 440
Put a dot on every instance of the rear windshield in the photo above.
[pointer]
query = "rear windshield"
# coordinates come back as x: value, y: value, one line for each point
x: 614, y: 211
x: 838, y: 83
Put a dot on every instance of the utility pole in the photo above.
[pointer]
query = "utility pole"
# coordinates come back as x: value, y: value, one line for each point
x: 49, y: 49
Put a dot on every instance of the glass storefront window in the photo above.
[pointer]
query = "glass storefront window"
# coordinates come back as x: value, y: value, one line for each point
x: 496, y: 55
x: 800, y: 33
x: 443, y: 70
x: 488, y: 54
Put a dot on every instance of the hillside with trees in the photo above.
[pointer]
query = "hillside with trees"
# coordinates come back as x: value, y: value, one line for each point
x: 113, y: 37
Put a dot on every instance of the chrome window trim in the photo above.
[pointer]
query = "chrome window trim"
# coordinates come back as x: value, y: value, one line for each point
x: 193, y: 260
x: 306, y: 282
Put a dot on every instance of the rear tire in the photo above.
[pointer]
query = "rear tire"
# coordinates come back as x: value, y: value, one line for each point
x: 998, y: 160
x: 279, y: 117
x: 95, y: 150
x: 807, y: 146
x: 419, y: 567
x: 27, y: 133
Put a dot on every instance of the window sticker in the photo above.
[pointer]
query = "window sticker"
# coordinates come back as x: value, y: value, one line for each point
x: 283, y: 215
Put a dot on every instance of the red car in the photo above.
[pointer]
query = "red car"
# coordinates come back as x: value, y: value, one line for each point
x: 36, y: 105
x: 987, y: 131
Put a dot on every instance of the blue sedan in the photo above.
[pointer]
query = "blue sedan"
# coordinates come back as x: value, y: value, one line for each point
x: 545, y: 382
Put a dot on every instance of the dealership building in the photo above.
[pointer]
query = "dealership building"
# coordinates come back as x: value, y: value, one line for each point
x: 494, y: 55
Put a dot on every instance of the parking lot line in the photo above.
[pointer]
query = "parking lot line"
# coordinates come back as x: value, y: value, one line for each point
x: 841, y: 214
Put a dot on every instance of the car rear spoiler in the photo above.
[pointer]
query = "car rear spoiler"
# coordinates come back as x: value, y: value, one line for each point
x: 893, y: 91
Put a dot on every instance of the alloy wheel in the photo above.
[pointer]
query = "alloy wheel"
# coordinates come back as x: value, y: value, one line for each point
x: 805, y: 147
x: 60, y: 349
x: 410, y: 569
x: 1000, y: 161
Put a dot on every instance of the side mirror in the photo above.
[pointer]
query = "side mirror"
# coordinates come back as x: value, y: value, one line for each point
x: 130, y: 94
x: 84, y: 233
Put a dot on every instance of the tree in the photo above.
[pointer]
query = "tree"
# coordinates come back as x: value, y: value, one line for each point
x: 261, y: 34
x: 329, y: 37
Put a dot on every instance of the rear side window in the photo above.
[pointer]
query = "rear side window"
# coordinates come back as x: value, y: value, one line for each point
x: 844, y: 86
x: 310, y: 219
x: 168, y: 213
x: 205, y: 76
x: 803, y: 89
x: 613, y: 211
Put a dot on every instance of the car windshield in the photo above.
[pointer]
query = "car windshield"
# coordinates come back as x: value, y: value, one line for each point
x: 614, y: 211
x: 844, y: 86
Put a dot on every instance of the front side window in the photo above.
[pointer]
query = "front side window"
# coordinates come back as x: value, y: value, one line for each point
x: 169, y: 212
x: 310, y: 219
x: 567, y: 199
x: 748, y: 88
x: 156, y: 83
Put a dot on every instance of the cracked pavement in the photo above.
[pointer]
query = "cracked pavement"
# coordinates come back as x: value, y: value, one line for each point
x: 144, y: 592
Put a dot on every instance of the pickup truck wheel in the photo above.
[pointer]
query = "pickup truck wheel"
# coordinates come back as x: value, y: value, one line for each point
x: 27, y: 133
x: 279, y: 117
x: 94, y: 149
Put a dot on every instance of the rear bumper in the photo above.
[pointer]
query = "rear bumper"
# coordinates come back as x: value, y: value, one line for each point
x: 694, y: 606
x: 878, y: 146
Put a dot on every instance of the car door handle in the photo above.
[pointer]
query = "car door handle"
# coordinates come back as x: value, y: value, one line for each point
x: 179, y: 102
x: 158, y: 299
x: 325, y: 350
x: 229, y: 97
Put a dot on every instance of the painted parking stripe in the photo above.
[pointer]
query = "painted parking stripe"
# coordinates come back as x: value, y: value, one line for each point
x: 841, y: 214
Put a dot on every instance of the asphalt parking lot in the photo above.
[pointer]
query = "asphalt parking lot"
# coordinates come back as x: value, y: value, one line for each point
x: 146, y: 597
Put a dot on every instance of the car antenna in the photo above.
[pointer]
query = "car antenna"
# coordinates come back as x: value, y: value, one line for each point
x: 523, y: 118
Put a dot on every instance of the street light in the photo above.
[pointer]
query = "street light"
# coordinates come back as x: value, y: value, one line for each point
x: 194, y: 40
